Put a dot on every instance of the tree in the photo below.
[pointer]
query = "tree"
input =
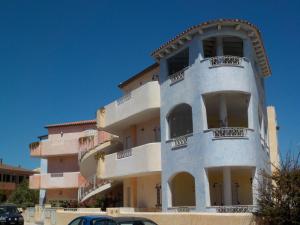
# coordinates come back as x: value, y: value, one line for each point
x: 23, y: 196
x: 2, y: 196
x: 279, y: 194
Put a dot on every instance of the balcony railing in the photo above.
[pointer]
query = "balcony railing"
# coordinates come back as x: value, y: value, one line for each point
x: 180, y: 141
x: 235, y: 209
x: 226, y: 60
x: 229, y: 132
x: 178, y: 76
x: 124, y: 154
x: 91, y: 184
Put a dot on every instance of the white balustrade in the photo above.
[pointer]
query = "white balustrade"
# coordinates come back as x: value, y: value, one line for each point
x: 180, y: 141
x: 178, y: 76
x: 124, y: 154
x: 225, y: 60
x: 229, y: 132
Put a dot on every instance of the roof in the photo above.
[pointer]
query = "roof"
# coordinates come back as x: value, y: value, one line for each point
x: 252, y: 31
x: 15, y: 168
x: 138, y: 75
x: 75, y: 123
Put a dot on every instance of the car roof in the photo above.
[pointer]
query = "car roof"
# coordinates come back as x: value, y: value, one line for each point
x: 96, y: 217
x: 124, y: 219
x: 8, y: 204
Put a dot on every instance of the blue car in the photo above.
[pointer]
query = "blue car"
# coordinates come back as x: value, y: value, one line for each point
x: 106, y: 220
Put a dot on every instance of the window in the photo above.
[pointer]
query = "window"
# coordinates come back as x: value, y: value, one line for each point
x: 99, y: 222
x: 178, y: 62
x: 180, y: 121
x: 210, y: 47
x: 78, y: 221
x: 233, y: 46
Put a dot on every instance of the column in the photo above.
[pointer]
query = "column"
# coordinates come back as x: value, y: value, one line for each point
x: 219, y: 44
x: 227, y: 186
x: 133, y: 135
x: 133, y: 192
x: 223, y: 111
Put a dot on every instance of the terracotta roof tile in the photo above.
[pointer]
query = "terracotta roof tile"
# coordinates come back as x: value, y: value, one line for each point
x: 15, y: 168
x: 75, y: 123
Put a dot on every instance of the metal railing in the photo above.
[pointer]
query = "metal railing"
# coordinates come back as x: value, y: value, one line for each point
x: 225, y: 60
x: 56, y: 174
x: 91, y: 184
x: 124, y: 154
x: 229, y: 132
x: 180, y: 141
x: 235, y: 209
x: 178, y: 76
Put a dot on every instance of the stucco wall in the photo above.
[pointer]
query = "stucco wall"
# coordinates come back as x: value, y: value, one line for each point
x: 147, y: 77
x: 171, y: 218
x: 62, y: 164
x: 146, y: 192
x: 61, y: 194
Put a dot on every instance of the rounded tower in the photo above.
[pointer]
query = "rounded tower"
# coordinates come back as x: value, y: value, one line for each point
x: 213, y: 116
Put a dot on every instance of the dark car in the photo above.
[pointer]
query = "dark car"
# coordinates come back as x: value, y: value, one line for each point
x: 106, y: 220
x: 10, y: 215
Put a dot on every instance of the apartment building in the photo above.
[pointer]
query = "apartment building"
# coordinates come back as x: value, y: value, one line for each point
x: 59, y: 151
x: 191, y: 132
x: 10, y: 178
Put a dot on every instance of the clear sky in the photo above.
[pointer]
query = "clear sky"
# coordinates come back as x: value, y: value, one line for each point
x: 61, y: 60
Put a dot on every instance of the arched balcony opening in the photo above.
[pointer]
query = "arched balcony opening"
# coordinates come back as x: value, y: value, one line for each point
x: 180, y: 121
x: 182, y: 187
x: 227, y: 113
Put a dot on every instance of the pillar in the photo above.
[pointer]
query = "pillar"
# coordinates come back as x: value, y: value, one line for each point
x: 227, y: 186
x: 219, y: 44
x: 133, y: 185
x: 133, y: 135
x: 223, y: 111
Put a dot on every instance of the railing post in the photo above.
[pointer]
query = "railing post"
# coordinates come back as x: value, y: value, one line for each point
x: 94, y: 180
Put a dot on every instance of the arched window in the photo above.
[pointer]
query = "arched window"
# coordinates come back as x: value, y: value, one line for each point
x: 182, y: 187
x: 180, y: 121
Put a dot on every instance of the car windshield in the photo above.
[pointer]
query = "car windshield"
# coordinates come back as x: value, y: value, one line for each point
x: 8, y: 209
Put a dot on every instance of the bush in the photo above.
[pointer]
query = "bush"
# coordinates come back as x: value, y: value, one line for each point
x: 24, y: 197
x: 279, y: 194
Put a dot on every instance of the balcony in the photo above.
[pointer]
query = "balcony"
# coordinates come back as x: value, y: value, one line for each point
x: 55, y: 180
x: 132, y: 108
x: 52, y: 148
x: 7, y: 186
x: 35, y: 181
x: 143, y: 159
x: 35, y: 149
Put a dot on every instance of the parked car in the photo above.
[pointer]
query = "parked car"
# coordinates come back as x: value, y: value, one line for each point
x: 106, y: 220
x: 10, y: 215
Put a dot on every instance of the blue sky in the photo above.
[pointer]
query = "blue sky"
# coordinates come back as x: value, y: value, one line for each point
x: 61, y: 60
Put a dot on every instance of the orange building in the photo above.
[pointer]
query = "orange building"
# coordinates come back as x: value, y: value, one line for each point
x: 10, y: 178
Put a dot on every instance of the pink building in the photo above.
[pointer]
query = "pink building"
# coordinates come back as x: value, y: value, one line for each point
x: 59, y: 152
